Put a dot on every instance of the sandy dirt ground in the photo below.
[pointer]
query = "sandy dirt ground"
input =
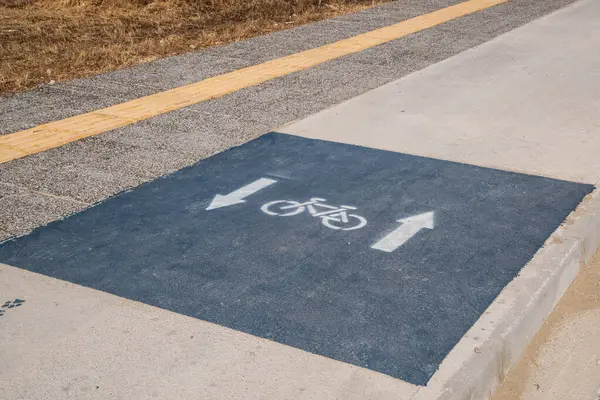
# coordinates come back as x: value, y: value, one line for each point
x: 563, y: 360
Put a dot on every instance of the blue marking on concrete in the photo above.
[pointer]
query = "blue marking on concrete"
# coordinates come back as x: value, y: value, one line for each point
x: 297, y: 281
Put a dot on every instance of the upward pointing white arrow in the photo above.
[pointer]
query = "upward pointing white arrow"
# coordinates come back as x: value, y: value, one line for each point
x: 238, y: 196
x: 410, y: 227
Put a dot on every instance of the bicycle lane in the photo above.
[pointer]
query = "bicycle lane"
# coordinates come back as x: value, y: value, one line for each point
x: 413, y: 253
x: 365, y: 256
x: 512, y: 118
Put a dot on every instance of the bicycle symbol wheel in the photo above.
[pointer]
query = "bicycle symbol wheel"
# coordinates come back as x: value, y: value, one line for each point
x: 354, y: 222
x: 283, y: 208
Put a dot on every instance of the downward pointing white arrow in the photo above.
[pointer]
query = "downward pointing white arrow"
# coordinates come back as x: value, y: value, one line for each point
x: 238, y: 196
x: 410, y: 227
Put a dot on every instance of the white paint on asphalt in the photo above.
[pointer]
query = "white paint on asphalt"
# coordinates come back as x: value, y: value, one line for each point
x: 409, y: 228
x: 238, y: 196
x: 333, y: 217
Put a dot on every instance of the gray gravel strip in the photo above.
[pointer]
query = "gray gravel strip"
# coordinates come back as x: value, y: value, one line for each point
x: 94, y: 168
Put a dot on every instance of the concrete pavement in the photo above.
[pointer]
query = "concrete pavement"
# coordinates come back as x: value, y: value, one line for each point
x: 526, y: 101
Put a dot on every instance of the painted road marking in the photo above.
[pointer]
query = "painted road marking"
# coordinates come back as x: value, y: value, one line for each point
x: 333, y: 217
x: 58, y: 133
x: 409, y: 228
x: 297, y: 281
x: 238, y: 196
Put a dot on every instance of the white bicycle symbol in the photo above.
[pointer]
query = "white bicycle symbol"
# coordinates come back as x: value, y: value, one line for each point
x: 331, y: 216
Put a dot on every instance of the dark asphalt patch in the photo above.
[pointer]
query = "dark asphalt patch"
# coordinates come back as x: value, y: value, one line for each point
x: 365, y: 284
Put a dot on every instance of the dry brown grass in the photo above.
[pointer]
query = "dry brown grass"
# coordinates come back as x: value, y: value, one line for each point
x: 56, y: 40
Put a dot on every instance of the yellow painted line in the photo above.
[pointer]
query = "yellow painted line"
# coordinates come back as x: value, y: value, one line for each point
x: 58, y: 133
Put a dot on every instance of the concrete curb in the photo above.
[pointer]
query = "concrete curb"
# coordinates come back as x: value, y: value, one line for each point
x: 497, y: 340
